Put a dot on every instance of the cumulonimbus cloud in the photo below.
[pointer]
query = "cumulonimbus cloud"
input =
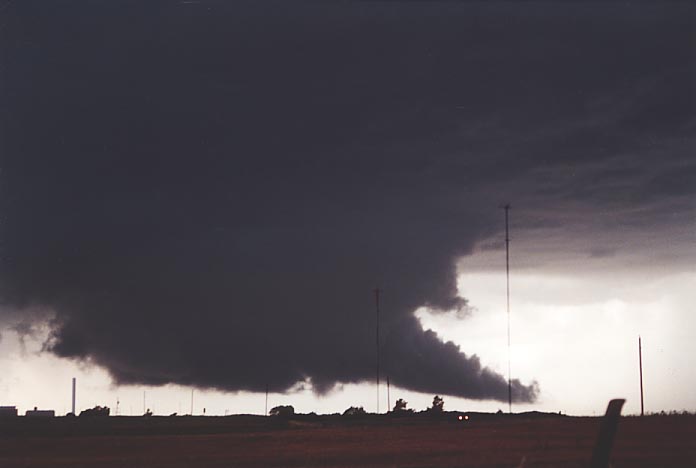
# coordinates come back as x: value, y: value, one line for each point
x: 210, y: 198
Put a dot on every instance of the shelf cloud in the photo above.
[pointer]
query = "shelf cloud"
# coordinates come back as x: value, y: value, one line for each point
x: 207, y: 193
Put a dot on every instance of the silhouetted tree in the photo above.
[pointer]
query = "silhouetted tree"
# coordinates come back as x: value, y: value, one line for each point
x: 354, y: 411
x: 282, y: 411
x: 96, y: 412
x: 400, y: 406
x: 438, y: 404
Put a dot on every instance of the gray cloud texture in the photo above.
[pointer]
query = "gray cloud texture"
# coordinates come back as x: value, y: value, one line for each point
x: 206, y: 194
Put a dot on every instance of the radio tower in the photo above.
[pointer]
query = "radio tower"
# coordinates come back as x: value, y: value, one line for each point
x: 377, y: 291
x: 507, y: 275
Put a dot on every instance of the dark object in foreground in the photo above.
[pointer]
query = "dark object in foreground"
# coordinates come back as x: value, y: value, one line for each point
x: 607, y: 432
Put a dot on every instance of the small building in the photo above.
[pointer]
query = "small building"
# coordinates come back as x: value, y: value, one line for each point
x: 37, y: 413
x: 8, y: 411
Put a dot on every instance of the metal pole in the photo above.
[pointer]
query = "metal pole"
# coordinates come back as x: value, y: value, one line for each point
x: 388, y: 397
x: 377, y: 291
x: 266, y: 400
x: 507, y: 274
x: 74, y: 388
x: 191, y: 402
x: 640, y: 365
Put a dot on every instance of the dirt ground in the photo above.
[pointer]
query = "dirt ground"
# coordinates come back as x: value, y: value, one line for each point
x: 655, y: 441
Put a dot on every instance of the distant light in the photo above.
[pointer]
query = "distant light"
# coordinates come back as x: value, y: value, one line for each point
x: 460, y: 417
x: 466, y: 417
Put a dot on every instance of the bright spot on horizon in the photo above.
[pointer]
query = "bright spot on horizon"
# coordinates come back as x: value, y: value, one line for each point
x: 577, y: 335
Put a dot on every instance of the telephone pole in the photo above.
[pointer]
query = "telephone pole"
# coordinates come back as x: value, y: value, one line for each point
x: 388, y: 396
x: 640, y: 365
x: 74, y: 392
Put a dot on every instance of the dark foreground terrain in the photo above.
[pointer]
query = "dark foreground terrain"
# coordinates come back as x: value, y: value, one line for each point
x: 249, y: 441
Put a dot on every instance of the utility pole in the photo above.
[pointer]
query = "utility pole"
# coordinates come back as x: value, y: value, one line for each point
x: 74, y: 393
x: 191, y: 401
x: 640, y: 365
x: 266, y: 414
x: 377, y: 291
x: 507, y: 275
x: 388, y: 397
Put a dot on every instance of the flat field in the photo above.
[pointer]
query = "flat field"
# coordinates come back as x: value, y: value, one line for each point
x: 248, y: 441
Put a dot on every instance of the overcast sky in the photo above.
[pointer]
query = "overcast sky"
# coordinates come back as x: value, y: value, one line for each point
x: 205, y: 194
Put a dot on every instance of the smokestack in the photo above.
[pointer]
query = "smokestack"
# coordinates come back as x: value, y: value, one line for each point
x: 74, y: 380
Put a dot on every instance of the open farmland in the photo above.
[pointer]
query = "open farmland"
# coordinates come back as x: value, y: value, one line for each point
x: 341, y: 442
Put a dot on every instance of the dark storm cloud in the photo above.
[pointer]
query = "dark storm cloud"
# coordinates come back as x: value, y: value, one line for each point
x: 207, y: 193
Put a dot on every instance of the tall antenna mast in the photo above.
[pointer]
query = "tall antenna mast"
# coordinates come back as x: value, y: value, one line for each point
x: 388, y: 397
x: 74, y: 391
x: 640, y: 365
x: 507, y: 275
x: 377, y: 291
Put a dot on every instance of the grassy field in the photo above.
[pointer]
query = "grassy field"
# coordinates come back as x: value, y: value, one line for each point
x: 248, y: 441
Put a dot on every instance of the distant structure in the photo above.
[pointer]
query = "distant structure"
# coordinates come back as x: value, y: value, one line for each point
x: 507, y: 275
x: 8, y: 411
x: 97, y: 411
x: 74, y: 386
x: 37, y: 413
